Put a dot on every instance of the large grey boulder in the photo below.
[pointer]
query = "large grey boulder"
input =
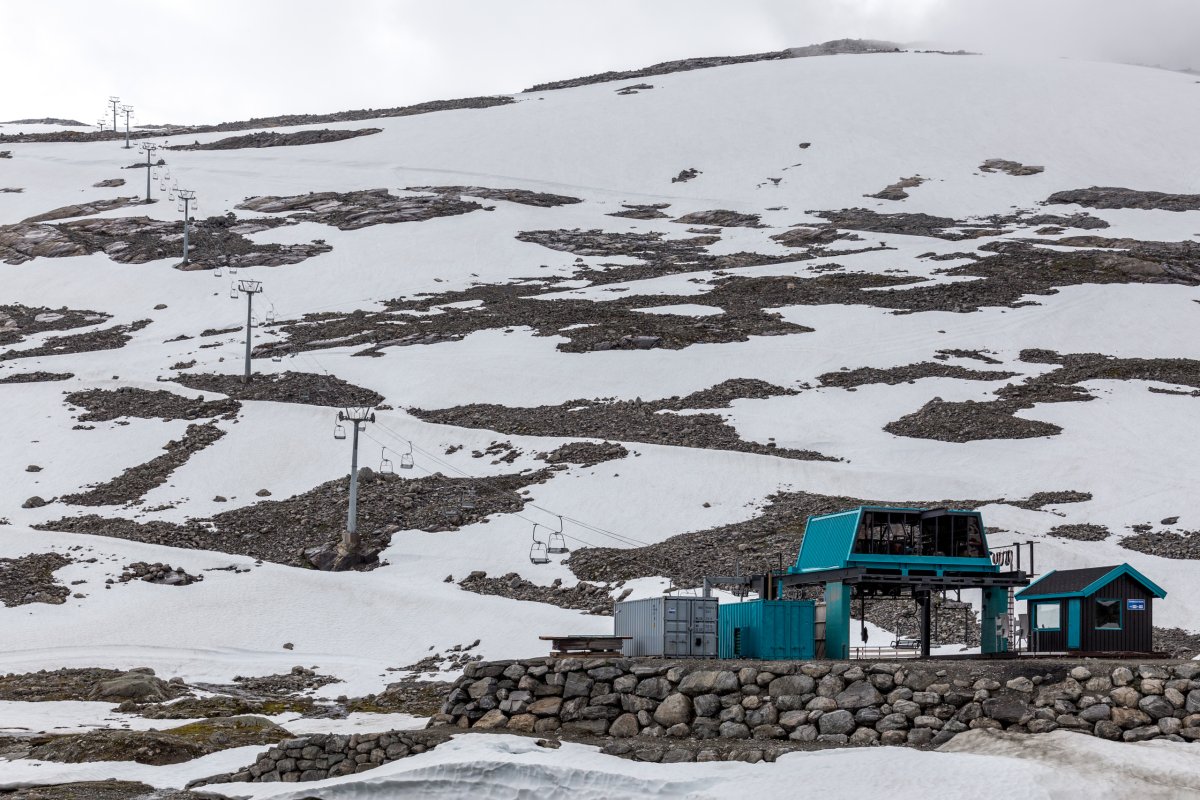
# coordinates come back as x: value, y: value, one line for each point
x: 833, y: 722
x: 139, y: 685
x: 791, y: 685
x: 675, y: 710
x: 709, y: 681
x: 859, y: 694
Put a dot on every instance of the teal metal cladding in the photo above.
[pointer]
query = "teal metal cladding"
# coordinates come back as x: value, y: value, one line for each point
x: 827, y: 541
x: 767, y: 629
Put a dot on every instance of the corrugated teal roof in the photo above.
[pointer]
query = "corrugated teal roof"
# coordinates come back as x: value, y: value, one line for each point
x: 827, y: 541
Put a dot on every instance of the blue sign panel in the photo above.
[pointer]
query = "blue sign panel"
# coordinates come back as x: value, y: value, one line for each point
x: 1135, y: 605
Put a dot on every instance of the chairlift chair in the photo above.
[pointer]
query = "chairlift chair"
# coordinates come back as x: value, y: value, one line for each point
x: 538, y: 554
x: 277, y: 358
x: 406, y: 459
x: 385, y: 463
x: 233, y: 271
x: 217, y: 272
x: 233, y: 291
x: 468, y: 498
x: 339, y: 430
x: 557, y: 542
x: 271, y: 316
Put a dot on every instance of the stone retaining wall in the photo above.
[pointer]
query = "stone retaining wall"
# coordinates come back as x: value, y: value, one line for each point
x: 833, y: 703
x: 327, y: 755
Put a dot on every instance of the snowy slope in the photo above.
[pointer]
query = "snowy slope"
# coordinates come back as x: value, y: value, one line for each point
x: 870, y: 120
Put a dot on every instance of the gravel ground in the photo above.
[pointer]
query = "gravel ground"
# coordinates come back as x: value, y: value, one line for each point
x: 30, y: 579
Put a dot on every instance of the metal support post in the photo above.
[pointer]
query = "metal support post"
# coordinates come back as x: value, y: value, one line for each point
x: 250, y: 288
x: 357, y: 417
x: 127, y: 111
x: 926, y: 600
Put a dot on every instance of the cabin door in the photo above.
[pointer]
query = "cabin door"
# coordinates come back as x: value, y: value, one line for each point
x: 1073, y: 614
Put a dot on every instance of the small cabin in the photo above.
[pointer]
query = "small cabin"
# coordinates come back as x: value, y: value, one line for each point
x: 905, y: 540
x: 1093, y: 610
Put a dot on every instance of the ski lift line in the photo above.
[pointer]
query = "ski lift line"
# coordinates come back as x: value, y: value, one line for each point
x: 518, y: 515
x: 601, y: 531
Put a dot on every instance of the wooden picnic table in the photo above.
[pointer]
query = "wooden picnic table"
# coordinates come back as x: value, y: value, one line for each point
x: 585, y: 645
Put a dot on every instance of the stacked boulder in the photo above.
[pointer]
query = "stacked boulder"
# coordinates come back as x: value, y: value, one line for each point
x: 830, y: 703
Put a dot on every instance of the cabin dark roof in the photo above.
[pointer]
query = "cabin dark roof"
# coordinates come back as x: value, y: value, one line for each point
x: 1082, y: 582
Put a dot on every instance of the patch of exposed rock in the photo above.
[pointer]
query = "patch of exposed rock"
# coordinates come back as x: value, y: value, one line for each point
x: 686, y: 175
x: 1165, y: 544
x: 30, y: 579
x: 215, y: 241
x: 652, y: 422
x: 280, y: 121
x: 1176, y: 642
x: 106, y: 790
x: 133, y: 484
x: 584, y: 596
x: 285, y: 387
x: 521, y: 196
x: 18, y: 321
x: 171, y: 746
x: 1085, y: 532
x: 969, y: 421
x: 93, y: 683
x: 84, y: 209
x: 1117, y: 197
x: 279, y: 139
x: 159, y: 573
x: 350, y: 211
x: 644, y: 211
x: 910, y: 373
x: 976, y: 355
x: 109, y: 183
x: 585, y: 325
x: 833, y: 47
x: 37, y: 377
x: 112, y: 338
x: 282, y: 531
x: 585, y: 454
x: 722, y: 218
x: 895, y: 191
x: 1039, y: 500
x: 1014, y: 168
x: 807, y: 237
x: 101, y: 405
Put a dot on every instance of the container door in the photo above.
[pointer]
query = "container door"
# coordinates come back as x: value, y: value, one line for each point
x: 675, y: 628
x: 1073, y: 622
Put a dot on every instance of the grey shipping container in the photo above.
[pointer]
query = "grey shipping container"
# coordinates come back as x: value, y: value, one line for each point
x: 669, y: 626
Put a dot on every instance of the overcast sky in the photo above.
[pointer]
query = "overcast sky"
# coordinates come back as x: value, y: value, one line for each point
x: 213, y: 60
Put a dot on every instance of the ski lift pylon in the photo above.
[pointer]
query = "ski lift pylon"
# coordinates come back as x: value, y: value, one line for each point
x: 557, y: 542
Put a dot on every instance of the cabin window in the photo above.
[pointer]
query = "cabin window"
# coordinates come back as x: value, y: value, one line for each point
x: 1108, y: 614
x: 1047, y: 616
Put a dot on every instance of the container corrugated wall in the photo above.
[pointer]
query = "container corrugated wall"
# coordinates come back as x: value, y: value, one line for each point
x: 768, y: 629
x: 678, y: 627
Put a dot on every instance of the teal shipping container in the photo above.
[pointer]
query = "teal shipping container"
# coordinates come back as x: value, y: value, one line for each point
x: 770, y: 630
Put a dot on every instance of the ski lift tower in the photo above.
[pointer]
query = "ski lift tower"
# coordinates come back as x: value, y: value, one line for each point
x: 126, y: 110
x: 357, y: 416
x: 186, y: 196
x: 148, y: 148
x: 113, y: 101
x: 251, y: 288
